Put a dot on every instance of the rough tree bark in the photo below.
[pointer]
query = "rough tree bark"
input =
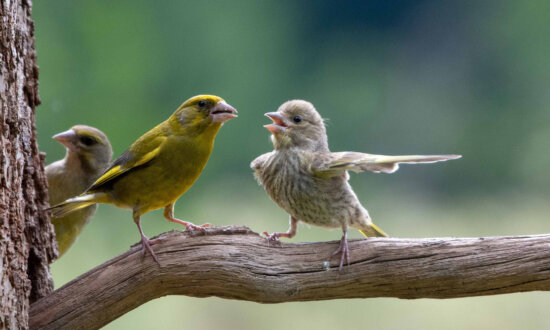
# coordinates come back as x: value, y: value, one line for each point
x: 236, y: 263
x: 26, y: 235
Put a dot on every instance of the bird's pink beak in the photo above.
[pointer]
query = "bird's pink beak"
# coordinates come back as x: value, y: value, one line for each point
x: 223, y: 112
x: 279, y: 126
x: 66, y: 138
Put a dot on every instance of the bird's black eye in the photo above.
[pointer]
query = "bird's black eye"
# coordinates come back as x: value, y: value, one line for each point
x: 297, y: 119
x: 88, y: 141
x: 202, y: 103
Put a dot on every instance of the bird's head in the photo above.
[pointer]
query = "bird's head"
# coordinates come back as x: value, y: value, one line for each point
x: 202, y: 113
x: 87, y: 144
x: 296, y: 124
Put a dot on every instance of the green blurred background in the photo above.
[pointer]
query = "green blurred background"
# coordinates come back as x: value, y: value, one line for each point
x: 394, y: 77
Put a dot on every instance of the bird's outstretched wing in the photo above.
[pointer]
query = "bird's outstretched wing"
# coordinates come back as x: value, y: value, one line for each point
x: 130, y: 159
x: 336, y: 163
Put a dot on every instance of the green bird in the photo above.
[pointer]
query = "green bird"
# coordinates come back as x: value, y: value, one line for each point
x: 159, y: 166
x: 310, y: 182
x: 88, y: 155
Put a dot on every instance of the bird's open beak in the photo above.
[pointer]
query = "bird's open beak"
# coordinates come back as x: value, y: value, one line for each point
x: 223, y: 112
x: 279, y: 126
x: 66, y: 138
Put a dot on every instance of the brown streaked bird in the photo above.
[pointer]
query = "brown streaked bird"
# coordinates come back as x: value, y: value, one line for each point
x: 311, y: 183
x: 159, y: 166
x: 88, y: 155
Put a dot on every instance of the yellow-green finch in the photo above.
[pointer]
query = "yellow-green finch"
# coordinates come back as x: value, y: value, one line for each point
x: 160, y: 166
x: 88, y: 155
x: 311, y: 183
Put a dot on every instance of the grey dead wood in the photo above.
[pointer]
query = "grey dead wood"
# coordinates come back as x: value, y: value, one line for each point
x: 236, y: 263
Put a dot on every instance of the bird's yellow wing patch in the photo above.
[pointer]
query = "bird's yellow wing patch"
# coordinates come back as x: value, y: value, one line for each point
x: 127, y: 161
x: 112, y: 173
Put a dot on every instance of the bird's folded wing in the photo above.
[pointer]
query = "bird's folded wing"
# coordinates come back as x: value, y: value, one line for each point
x: 258, y: 163
x: 130, y: 159
x: 336, y: 163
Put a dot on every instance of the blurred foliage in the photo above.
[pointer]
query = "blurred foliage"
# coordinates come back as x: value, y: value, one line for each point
x: 395, y: 77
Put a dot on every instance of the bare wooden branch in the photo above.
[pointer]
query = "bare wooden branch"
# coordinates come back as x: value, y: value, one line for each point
x: 236, y: 263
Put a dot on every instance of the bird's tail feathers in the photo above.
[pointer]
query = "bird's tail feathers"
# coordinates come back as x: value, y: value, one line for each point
x: 74, y: 204
x: 372, y: 230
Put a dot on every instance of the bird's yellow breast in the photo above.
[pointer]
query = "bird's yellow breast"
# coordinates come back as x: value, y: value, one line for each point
x: 164, y: 179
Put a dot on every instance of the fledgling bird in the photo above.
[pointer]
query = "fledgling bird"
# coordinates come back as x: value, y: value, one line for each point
x: 88, y: 155
x: 311, y: 183
x: 159, y: 166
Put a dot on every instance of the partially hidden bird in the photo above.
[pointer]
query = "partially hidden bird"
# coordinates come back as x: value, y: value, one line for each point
x: 310, y: 182
x: 88, y: 155
x: 159, y: 166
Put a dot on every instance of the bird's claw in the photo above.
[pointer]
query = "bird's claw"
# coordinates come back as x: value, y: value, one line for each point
x: 190, y: 227
x: 272, y: 238
x: 146, y: 247
x: 343, y: 249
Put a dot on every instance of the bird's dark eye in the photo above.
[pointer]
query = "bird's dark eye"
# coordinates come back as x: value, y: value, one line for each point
x: 297, y: 119
x: 202, y: 103
x: 88, y: 141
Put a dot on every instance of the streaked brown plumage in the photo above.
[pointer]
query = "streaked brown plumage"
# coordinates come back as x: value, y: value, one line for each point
x: 88, y: 155
x: 311, y: 183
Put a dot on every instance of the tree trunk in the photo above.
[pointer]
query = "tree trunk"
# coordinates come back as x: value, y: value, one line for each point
x: 26, y: 235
